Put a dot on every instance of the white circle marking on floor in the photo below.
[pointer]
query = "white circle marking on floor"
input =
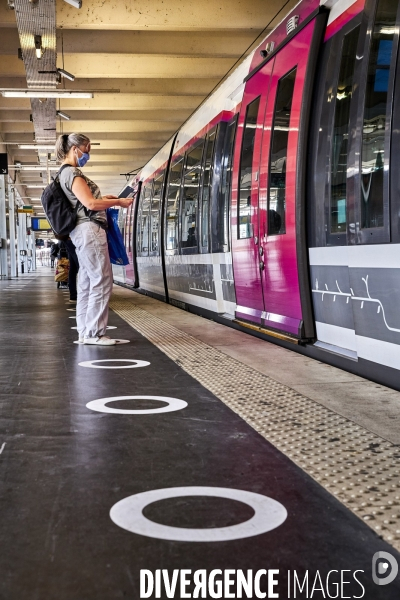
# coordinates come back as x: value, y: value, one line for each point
x: 138, y: 363
x: 71, y: 317
x: 108, y: 326
x: 71, y: 309
x: 117, y: 343
x: 269, y: 514
x: 173, y: 404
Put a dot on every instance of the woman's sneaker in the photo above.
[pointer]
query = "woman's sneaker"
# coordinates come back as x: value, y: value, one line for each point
x: 103, y: 340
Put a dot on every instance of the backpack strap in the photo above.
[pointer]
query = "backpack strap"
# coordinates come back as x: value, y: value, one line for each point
x: 59, y: 171
x: 57, y: 177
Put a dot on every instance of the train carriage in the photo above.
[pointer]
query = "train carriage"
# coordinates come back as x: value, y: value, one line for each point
x: 276, y: 206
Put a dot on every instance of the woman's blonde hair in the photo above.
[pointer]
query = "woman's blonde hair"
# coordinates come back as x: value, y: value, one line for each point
x: 65, y: 142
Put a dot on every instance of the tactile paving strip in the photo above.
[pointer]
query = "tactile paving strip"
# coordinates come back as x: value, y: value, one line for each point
x: 358, y: 467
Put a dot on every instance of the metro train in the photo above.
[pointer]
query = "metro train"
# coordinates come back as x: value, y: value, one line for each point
x: 276, y: 207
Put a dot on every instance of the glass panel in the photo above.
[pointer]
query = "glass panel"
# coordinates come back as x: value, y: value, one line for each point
x: 125, y: 229
x: 144, y: 221
x: 226, y: 179
x: 190, y: 197
x: 172, y: 213
x: 193, y: 159
x: 128, y: 228
x: 205, y: 211
x: 341, y: 132
x: 246, y: 168
x: 155, y: 214
x: 139, y: 226
x: 122, y: 220
x: 376, y: 99
x: 279, y: 147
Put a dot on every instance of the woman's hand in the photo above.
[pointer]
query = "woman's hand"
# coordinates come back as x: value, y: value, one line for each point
x: 125, y: 202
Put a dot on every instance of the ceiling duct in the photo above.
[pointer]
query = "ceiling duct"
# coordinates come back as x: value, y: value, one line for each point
x: 36, y: 20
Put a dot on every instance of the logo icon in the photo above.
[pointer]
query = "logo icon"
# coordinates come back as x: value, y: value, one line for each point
x: 384, y: 568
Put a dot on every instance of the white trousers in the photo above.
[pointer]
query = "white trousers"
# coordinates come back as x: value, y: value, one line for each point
x: 95, y: 280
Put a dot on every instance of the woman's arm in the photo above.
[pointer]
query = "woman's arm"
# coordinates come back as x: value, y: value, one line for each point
x: 81, y: 190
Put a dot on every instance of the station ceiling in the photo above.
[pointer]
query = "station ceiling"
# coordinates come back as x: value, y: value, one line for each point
x: 149, y: 63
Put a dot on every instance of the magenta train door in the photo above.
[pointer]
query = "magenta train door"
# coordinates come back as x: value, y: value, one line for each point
x: 268, y: 198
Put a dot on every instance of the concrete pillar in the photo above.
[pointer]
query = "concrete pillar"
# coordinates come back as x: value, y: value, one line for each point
x: 12, y: 218
x: 4, y: 266
x: 22, y: 243
x: 33, y: 237
x: 30, y: 243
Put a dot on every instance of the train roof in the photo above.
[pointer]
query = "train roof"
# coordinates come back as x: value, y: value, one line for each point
x: 226, y: 98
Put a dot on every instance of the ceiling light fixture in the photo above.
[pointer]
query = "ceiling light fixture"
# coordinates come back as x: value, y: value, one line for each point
x: 74, y: 3
x: 44, y: 94
x: 36, y: 147
x: 64, y: 115
x: 38, y: 46
x: 65, y: 74
x: 33, y: 168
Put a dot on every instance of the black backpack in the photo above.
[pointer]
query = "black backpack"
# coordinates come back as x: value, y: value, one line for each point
x: 59, y: 210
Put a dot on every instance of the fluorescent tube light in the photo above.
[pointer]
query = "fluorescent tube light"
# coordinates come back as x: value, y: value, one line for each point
x: 35, y: 147
x: 74, y: 3
x: 33, y: 168
x: 65, y: 73
x: 38, y: 46
x: 64, y: 115
x: 45, y: 94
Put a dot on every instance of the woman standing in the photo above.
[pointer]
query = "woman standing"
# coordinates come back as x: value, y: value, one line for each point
x: 95, y: 279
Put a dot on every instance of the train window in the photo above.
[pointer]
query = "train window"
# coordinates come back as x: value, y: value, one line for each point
x: 139, y: 226
x: 190, y: 196
x: 225, y: 189
x: 125, y: 228
x: 375, y: 110
x: 246, y: 167
x: 155, y: 215
x: 279, y: 146
x: 338, y: 199
x: 172, y: 200
x: 144, y: 221
x: 206, y: 193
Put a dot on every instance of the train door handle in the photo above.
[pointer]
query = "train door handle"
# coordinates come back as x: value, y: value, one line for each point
x: 255, y: 239
x: 260, y: 251
x: 262, y: 266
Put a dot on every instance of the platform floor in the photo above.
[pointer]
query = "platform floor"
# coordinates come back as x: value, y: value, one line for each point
x: 306, y: 456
